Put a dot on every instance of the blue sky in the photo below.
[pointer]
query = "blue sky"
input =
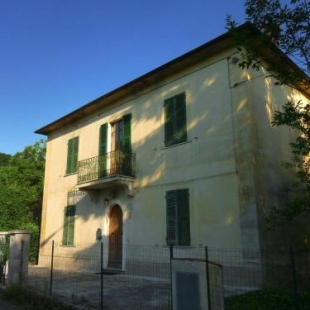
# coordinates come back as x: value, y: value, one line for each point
x: 57, y: 55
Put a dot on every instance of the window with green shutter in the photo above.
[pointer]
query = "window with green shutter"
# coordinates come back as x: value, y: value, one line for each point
x: 103, y: 139
x: 175, y: 120
x: 72, y: 155
x: 103, y: 148
x: 120, y: 149
x: 127, y: 133
x: 178, y: 221
x: 68, y: 227
x: 126, y: 145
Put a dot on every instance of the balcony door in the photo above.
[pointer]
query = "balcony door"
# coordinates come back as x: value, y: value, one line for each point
x: 117, y: 142
x: 116, y: 157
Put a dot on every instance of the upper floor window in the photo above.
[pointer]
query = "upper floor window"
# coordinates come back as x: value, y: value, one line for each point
x: 120, y: 136
x: 175, y: 120
x: 117, y: 135
x: 116, y: 157
x: 72, y: 155
x: 178, y: 221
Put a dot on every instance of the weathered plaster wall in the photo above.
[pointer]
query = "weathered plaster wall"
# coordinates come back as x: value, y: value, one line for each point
x: 271, y: 151
x: 205, y: 164
x: 242, y: 128
x: 261, y: 150
x: 228, y: 163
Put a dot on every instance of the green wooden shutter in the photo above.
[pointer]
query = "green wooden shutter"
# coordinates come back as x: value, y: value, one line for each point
x: 65, y: 231
x: 69, y: 156
x: 171, y: 209
x: 103, y: 139
x: 127, y: 133
x: 178, y: 220
x: 126, y: 165
x: 75, y: 154
x: 183, y: 217
x: 71, y: 224
x: 72, y: 155
x: 180, y: 119
x: 68, y: 228
x: 70, y: 237
x: 169, y: 117
x: 103, y: 148
x: 175, y: 120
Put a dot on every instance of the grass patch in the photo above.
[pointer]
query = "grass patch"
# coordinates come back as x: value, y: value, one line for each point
x: 269, y: 299
x: 30, y: 300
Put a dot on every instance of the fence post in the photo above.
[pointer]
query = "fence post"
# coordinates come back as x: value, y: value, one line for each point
x: 18, y: 257
x: 52, y: 268
x: 171, y: 257
x: 101, y: 275
x: 295, y: 288
x: 208, y: 278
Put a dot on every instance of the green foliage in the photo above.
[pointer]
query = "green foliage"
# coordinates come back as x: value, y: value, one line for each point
x: 283, y: 26
x: 31, y: 300
x: 4, y: 251
x: 21, y: 192
x: 34, y: 239
x: 4, y: 159
x: 269, y: 299
x: 297, y: 116
x: 287, y: 24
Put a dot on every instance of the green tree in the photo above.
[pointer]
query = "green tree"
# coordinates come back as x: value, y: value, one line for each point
x: 21, y: 191
x: 4, y: 159
x: 284, y: 26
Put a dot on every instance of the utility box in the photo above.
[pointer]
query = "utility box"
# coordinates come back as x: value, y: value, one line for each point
x: 196, y: 285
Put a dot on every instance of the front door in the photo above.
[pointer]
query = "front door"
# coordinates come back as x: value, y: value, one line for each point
x: 115, y: 237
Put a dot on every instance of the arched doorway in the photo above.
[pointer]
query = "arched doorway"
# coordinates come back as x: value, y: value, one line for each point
x: 115, y: 237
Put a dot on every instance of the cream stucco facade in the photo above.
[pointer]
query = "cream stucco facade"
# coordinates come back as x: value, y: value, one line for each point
x: 230, y: 162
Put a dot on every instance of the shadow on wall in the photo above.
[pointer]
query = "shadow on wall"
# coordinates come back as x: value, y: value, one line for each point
x: 209, y: 120
x: 211, y: 139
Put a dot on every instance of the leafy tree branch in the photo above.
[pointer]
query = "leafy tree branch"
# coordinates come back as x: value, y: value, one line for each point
x: 284, y: 27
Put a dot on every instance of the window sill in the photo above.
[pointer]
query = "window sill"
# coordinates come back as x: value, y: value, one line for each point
x: 177, y: 144
x: 70, y: 173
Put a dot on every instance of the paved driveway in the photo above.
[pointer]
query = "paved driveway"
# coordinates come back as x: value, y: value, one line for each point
x: 120, y: 291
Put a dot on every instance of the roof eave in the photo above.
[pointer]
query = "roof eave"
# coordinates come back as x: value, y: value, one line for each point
x: 208, y: 49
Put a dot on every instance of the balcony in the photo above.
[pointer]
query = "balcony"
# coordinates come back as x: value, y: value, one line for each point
x: 108, y: 170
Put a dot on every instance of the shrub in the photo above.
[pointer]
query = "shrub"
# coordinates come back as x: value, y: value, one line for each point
x: 30, y: 300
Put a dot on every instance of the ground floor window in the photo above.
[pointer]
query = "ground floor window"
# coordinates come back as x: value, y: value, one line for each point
x: 68, y: 226
x: 178, y: 220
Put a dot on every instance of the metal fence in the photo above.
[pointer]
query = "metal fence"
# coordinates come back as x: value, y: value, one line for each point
x: 249, y: 269
x: 80, y: 275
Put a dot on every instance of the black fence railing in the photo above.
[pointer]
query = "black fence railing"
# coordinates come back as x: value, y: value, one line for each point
x: 109, y: 164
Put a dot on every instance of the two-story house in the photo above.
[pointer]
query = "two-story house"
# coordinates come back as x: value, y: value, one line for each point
x: 184, y: 155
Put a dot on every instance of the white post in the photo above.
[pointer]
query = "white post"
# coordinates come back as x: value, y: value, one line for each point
x: 19, y: 256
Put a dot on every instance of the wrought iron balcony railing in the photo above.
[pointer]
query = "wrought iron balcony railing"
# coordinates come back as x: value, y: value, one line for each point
x: 109, y: 164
